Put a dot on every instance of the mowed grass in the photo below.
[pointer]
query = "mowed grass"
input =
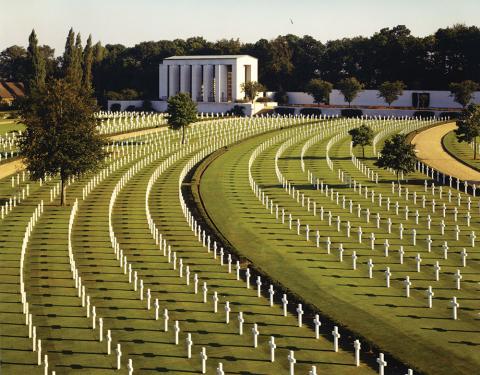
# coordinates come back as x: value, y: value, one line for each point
x: 9, y: 125
x: 67, y: 334
x: 461, y: 150
x: 426, y: 338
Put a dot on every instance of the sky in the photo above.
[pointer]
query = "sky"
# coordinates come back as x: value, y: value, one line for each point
x: 132, y: 21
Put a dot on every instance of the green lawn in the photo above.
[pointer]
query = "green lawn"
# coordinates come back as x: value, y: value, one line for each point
x: 66, y: 333
x: 428, y: 339
x: 460, y: 150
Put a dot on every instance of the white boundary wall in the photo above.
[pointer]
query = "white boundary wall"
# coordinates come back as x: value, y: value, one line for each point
x: 161, y: 106
x: 438, y: 99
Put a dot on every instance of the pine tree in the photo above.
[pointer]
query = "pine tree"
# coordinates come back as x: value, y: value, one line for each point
x: 68, y: 54
x: 87, y: 65
x: 77, y: 61
x: 36, y: 64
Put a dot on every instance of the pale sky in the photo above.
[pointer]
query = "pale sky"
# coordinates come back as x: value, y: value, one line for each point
x: 131, y: 21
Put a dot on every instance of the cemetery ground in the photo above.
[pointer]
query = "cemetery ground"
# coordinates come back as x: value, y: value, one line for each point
x: 427, y: 338
x: 429, y: 145
x: 63, y: 315
x: 460, y: 150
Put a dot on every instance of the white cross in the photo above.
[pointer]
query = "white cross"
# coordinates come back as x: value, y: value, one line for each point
x: 292, y: 361
x: 336, y: 336
x: 272, y: 346
x: 189, y: 343
x: 285, y: 304
x: 240, y: 323
x: 370, y: 268
x: 381, y: 364
x: 407, y: 284
x: 203, y: 357
x: 458, y: 277
x: 418, y: 260
x: 119, y: 356
x: 255, y: 333
x: 220, y: 369
x: 430, y: 296
x: 130, y: 366
x: 176, y: 329
x: 300, y: 314
x: 354, y: 260
x: 455, y: 305
x: 271, y: 292
x: 357, y: 346
x: 388, y: 274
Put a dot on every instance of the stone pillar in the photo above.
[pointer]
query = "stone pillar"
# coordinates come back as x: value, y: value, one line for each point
x: 173, y: 81
x: 207, y: 82
x: 163, y: 82
x: 218, y: 81
x: 196, y: 71
x: 185, y: 78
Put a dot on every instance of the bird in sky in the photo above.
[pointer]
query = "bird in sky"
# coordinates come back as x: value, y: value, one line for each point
x: 291, y: 21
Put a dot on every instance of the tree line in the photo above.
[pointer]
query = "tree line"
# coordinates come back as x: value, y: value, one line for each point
x: 286, y: 63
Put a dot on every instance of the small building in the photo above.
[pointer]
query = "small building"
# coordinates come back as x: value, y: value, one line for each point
x: 208, y: 79
x: 9, y: 91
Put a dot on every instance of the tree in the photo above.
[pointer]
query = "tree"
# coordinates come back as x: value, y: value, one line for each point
x: 72, y: 59
x: 390, y: 91
x: 251, y: 89
x: 182, y: 111
x: 36, y: 64
x: 398, y: 155
x: 462, y: 92
x: 469, y: 126
x: 361, y: 136
x: 87, y: 65
x: 61, y: 136
x: 350, y: 87
x: 13, y: 64
x: 320, y: 90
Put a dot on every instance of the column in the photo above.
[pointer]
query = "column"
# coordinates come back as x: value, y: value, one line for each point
x: 163, y: 82
x: 173, y: 85
x: 196, y: 71
x: 185, y: 78
x: 218, y: 83
x: 207, y: 82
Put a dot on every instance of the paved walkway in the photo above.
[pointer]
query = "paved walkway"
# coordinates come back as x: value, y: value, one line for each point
x: 428, y: 144
x: 16, y: 166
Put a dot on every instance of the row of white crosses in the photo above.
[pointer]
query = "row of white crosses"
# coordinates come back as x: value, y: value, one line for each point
x: 85, y: 298
x: 162, y: 243
x: 42, y: 357
x: 90, y: 309
x: 271, y: 292
x: 265, y: 201
x: 134, y: 121
x: 457, y: 275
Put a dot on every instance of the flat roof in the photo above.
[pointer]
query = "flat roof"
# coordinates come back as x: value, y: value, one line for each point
x: 208, y: 57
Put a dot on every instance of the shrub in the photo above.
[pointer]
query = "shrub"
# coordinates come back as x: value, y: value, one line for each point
x: 284, y: 111
x: 281, y: 97
x: 262, y: 99
x: 131, y: 108
x: 423, y: 114
x: 311, y: 111
x: 349, y: 112
x: 237, y: 110
x: 452, y: 115
x: 115, y: 107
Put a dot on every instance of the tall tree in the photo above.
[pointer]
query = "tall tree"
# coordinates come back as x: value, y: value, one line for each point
x: 320, y: 90
x: 361, y: 136
x: 398, y: 155
x: 87, y: 65
x: 469, y: 126
x: 68, y: 54
x: 36, y: 62
x: 13, y: 64
x: 251, y: 89
x: 72, y: 59
x: 182, y: 111
x: 61, y: 136
x: 390, y: 91
x: 350, y: 87
x: 463, y: 91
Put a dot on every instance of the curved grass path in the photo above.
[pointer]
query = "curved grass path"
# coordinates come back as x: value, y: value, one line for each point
x: 460, y: 150
x: 401, y: 326
x: 428, y: 144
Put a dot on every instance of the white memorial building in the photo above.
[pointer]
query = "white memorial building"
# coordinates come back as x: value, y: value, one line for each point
x: 208, y: 79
